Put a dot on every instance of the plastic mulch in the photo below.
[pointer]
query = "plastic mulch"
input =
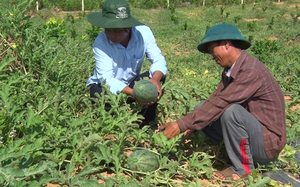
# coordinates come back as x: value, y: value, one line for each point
x: 286, y: 177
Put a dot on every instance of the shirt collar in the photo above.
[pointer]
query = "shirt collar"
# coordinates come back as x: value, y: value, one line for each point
x: 228, y: 73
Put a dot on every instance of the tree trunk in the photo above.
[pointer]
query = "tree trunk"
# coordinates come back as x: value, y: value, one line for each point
x: 203, y: 2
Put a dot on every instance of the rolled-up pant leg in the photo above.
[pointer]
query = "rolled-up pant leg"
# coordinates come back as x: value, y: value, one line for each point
x: 243, y: 138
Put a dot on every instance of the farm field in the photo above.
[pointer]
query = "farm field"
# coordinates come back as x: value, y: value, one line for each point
x: 52, y: 135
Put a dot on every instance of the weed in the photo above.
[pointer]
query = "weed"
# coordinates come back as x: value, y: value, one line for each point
x: 227, y: 14
x: 237, y: 18
x: 263, y: 49
x: 282, y: 12
x: 222, y: 9
x: 264, y: 8
x: 252, y: 26
x: 174, y: 18
x: 295, y: 17
x: 271, y: 24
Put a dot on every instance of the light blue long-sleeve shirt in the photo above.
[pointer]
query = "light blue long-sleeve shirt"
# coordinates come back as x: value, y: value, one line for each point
x: 119, y: 65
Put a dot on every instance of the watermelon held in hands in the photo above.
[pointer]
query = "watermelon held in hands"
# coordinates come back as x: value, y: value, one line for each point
x: 145, y: 91
x: 143, y: 160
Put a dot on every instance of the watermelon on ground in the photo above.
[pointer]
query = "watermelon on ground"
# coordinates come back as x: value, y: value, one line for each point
x: 143, y: 160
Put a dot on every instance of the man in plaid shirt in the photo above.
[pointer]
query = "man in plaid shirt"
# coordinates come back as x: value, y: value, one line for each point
x: 247, y: 111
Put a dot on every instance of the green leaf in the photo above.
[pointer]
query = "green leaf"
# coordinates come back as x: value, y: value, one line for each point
x: 70, y: 169
x: 12, y: 172
x: 90, y: 139
x: 26, y: 161
x: 93, y: 182
x: 52, y: 157
x: 42, y: 166
x: 6, y: 60
x: 87, y: 170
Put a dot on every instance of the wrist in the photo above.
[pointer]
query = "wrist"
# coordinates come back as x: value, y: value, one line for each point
x: 158, y: 75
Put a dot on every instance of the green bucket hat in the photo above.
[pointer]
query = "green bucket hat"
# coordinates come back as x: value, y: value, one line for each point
x: 115, y: 14
x: 222, y: 32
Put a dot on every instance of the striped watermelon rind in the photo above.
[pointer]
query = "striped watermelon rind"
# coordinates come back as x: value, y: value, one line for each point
x: 145, y: 91
x: 143, y: 161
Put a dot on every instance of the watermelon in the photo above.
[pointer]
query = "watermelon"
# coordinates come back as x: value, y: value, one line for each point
x: 143, y: 160
x: 145, y: 91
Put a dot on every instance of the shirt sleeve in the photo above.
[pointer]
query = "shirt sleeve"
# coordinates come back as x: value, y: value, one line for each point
x: 239, y: 91
x: 153, y: 52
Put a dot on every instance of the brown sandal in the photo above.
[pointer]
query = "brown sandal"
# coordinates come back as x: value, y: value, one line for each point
x: 227, y: 174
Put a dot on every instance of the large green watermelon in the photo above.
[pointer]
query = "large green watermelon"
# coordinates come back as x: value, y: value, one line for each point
x: 143, y: 160
x: 145, y: 91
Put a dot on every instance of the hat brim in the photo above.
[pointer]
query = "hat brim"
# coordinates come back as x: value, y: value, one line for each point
x: 202, y: 47
x: 97, y: 19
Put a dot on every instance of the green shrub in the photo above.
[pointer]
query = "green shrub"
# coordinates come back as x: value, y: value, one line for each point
x: 264, y: 49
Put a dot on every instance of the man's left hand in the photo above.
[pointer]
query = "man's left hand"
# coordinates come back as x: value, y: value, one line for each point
x: 158, y: 86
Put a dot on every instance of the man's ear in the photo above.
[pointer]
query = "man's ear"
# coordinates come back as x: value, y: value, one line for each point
x: 226, y: 43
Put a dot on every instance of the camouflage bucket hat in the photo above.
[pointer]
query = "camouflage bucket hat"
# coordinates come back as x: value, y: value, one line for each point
x: 115, y: 14
x: 222, y: 32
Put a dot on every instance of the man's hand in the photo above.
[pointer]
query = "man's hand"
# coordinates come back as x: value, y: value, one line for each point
x: 187, y: 134
x: 129, y: 91
x: 157, y: 76
x: 171, y: 129
x: 141, y: 103
x: 158, y: 86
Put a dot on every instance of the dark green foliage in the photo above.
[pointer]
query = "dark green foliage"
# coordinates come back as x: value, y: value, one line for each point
x: 270, y: 25
x: 295, y: 17
x: 237, y: 18
x: 71, y: 5
x: 227, y: 14
x: 93, y: 31
x: 252, y: 26
x: 222, y: 9
x: 175, y: 19
x: 264, y: 8
x: 264, y: 49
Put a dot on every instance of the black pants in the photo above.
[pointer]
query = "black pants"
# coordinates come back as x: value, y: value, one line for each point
x: 149, y: 113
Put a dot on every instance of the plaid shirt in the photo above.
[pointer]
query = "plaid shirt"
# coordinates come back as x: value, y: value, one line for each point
x: 252, y: 86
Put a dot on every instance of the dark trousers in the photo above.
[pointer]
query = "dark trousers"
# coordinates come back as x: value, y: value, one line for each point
x: 149, y: 113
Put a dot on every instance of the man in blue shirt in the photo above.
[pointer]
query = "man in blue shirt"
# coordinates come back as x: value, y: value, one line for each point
x: 119, y: 52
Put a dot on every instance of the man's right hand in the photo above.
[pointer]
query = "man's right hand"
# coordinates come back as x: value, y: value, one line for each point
x: 129, y: 91
x: 171, y: 129
x: 187, y: 134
